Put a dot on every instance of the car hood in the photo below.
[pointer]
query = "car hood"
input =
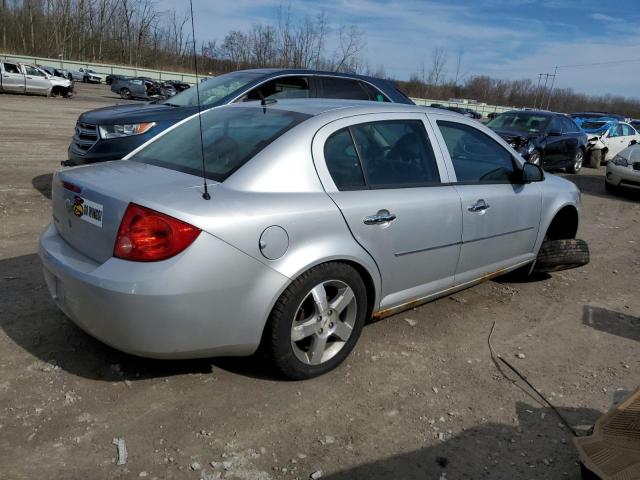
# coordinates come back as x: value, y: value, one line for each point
x: 136, y: 113
x: 514, y: 136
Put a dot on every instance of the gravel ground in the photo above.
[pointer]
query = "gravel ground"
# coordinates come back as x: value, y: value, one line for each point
x: 419, y: 398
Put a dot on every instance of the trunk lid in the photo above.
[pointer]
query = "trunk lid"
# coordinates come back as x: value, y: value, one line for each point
x: 89, y: 202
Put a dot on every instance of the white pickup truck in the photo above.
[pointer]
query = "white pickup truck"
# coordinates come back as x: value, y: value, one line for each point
x: 23, y: 78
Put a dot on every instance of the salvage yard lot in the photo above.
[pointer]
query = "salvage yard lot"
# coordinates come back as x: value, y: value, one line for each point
x: 418, y: 398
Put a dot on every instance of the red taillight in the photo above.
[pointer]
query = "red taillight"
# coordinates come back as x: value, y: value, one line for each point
x: 148, y: 236
x: 72, y: 187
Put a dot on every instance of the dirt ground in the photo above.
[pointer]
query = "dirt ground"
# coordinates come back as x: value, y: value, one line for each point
x: 419, y: 398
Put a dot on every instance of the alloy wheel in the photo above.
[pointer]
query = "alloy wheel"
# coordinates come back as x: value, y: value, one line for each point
x: 323, y: 322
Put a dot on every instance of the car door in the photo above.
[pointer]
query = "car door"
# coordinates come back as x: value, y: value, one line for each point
x: 12, y: 78
x: 36, y: 81
x: 391, y: 186
x: 615, y: 141
x: 554, y: 153
x: 629, y: 133
x: 500, y: 217
x: 570, y: 134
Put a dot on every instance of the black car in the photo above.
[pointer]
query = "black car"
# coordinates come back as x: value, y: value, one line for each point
x: 551, y: 140
x: 111, y: 133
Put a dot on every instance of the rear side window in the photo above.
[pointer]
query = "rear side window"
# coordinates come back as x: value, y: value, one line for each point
x: 231, y: 137
x: 342, y: 161
x: 11, y: 68
x: 343, y: 88
x: 616, y: 131
x: 373, y: 93
x: 286, y: 87
x: 386, y: 154
x: 476, y: 157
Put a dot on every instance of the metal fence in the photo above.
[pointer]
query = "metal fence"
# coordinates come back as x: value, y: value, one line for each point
x: 103, y: 68
x: 482, y: 108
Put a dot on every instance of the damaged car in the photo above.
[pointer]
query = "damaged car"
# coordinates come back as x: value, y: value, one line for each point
x: 284, y: 226
x: 607, y: 138
x: 551, y: 140
x: 142, y: 88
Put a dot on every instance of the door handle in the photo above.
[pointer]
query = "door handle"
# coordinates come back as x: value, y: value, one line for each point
x: 383, y: 216
x: 479, y: 206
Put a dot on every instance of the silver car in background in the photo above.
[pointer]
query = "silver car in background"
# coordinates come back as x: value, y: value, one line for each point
x: 624, y: 170
x: 322, y: 215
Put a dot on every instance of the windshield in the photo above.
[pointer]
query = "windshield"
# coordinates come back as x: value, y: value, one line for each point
x: 520, y: 122
x: 594, y: 126
x: 231, y: 135
x: 214, y: 89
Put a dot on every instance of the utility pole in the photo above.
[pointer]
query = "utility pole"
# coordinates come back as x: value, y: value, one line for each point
x: 535, y: 102
x: 553, y: 81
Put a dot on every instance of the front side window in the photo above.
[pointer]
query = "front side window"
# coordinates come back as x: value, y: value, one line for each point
x: 568, y: 126
x: 231, y: 137
x: 33, y: 71
x: 476, y: 157
x: 214, y: 89
x: 343, y: 88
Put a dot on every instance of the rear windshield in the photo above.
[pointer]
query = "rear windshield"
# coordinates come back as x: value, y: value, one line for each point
x: 231, y: 135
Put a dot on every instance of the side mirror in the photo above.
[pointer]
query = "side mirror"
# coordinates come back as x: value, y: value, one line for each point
x: 532, y: 173
x: 554, y: 132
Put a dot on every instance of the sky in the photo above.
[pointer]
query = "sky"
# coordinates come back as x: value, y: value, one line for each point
x: 511, y: 39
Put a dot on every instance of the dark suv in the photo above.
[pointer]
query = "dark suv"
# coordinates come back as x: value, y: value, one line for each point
x: 111, y: 133
x: 551, y: 140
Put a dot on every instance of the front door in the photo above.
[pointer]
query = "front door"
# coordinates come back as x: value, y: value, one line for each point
x: 500, y: 218
x: 36, y: 81
x: 12, y: 78
x: 392, y: 189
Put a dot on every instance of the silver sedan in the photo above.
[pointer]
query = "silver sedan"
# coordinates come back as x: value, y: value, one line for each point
x: 319, y: 216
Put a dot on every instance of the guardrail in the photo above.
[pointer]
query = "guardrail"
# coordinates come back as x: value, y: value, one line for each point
x: 102, y: 68
x: 106, y: 69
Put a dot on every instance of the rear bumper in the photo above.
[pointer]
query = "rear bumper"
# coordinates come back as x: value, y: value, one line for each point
x: 210, y: 300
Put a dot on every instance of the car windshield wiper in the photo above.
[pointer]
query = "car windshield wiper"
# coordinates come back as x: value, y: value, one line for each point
x: 170, y: 104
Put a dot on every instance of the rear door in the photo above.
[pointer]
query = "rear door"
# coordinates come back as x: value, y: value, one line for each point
x: 500, y: 218
x: 36, y: 80
x: 12, y: 78
x: 392, y: 188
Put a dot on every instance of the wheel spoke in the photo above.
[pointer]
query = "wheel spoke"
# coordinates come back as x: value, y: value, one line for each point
x: 303, y: 330
x: 343, y: 300
x: 342, y: 330
x: 320, y: 299
x: 317, y: 349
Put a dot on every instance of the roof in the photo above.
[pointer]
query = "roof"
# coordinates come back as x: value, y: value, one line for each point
x: 318, y: 106
x: 303, y: 71
x: 545, y: 113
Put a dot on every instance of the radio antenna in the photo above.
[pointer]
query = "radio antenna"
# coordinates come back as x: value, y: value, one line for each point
x: 205, y: 195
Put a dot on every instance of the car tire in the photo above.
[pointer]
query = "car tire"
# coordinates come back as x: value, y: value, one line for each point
x: 85, y: 80
x: 302, y: 339
x: 536, y: 158
x: 595, y: 159
x: 578, y: 160
x: 125, y: 93
x: 555, y: 255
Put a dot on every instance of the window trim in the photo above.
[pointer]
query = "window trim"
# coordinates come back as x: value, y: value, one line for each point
x: 517, y: 165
